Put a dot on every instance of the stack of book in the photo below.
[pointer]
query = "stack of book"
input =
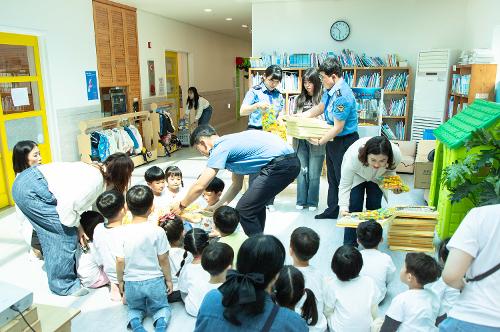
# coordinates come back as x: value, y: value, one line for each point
x: 460, y: 84
x: 372, y: 61
x: 398, y: 133
x: 289, y: 82
x: 396, y: 82
x: 477, y: 55
x: 348, y: 77
x: 413, y: 229
x: 392, y: 60
x: 305, y: 127
x: 397, y: 107
x: 369, y: 81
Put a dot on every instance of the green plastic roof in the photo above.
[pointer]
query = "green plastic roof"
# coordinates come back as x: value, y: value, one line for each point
x: 479, y: 114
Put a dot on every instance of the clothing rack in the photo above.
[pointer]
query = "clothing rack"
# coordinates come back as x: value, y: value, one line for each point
x: 142, y: 120
x: 167, y: 107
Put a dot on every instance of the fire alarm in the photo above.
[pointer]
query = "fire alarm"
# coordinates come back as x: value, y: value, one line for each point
x: 149, y: 44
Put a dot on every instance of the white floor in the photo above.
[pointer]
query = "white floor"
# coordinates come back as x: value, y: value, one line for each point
x: 98, y: 313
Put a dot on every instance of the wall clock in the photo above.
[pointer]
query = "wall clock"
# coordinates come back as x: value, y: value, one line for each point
x: 340, y: 30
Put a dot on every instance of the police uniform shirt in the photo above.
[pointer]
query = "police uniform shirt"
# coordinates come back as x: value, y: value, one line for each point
x: 260, y: 93
x: 340, y: 104
x: 246, y: 152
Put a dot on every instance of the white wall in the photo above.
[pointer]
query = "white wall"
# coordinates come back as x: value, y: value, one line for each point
x: 211, y: 55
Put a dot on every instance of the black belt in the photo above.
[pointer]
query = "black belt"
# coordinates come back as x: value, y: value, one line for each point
x: 281, y: 158
x: 254, y: 127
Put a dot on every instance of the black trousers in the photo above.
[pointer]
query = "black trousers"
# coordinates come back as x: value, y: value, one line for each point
x: 335, y: 151
x: 272, y: 179
x: 356, y: 200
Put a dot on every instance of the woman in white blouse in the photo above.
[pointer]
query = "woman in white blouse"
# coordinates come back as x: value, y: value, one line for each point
x: 365, y: 164
x: 201, y: 107
x: 53, y: 196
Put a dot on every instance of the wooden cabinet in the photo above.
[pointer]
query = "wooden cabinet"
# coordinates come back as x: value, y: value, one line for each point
x: 117, y: 50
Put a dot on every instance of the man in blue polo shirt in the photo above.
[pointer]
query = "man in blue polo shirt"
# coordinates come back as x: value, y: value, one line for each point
x: 248, y: 152
x: 339, y: 107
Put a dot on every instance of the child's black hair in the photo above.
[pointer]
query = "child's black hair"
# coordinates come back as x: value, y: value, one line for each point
x: 195, y: 241
x: 89, y: 220
x: 369, y: 234
x: 443, y: 251
x: 215, y: 186
x: 139, y: 200
x: 154, y: 173
x: 304, y: 243
x: 226, y: 219
x: 173, y: 227
x: 173, y: 171
x: 109, y: 203
x: 289, y: 289
x: 347, y: 262
x: 216, y: 258
x: 423, y: 267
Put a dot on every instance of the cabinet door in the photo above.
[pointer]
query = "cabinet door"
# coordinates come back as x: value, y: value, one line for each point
x: 118, y: 46
x: 130, y: 23
x: 103, y: 45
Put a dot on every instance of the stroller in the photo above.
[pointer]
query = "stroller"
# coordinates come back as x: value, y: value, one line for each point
x: 167, y: 129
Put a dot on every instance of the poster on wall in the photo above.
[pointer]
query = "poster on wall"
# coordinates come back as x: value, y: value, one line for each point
x: 151, y: 75
x: 161, y: 86
x: 91, y: 81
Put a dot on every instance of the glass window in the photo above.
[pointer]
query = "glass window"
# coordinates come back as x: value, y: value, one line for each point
x: 19, y: 97
x: 17, y: 60
x: 24, y: 129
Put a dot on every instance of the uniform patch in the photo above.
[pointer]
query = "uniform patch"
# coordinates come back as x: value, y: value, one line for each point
x: 340, y: 108
x: 257, y: 87
x: 338, y: 93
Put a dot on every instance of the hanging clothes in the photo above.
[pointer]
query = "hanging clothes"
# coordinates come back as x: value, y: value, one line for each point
x: 113, y: 145
x: 137, y: 136
x: 132, y: 137
x: 94, y: 146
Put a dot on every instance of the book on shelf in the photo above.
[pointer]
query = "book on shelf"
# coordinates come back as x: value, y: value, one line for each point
x: 348, y: 76
x: 292, y: 105
x: 460, y: 84
x: 392, y: 60
x: 450, y: 107
x: 396, y: 82
x: 369, y: 103
x: 398, y: 133
x: 397, y: 107
x: 289, y: 82
x: 369, y: 81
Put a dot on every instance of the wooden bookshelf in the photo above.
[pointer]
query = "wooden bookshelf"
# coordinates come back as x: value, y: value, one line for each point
x: 481, y: 86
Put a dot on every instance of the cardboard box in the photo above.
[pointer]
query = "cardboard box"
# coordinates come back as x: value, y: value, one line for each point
x: 408, y: 151
x: 423, y: 167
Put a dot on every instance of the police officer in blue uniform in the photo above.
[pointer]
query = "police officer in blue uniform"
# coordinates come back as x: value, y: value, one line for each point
x: 260, y: 98
x: 247, y: 152
x: 339, y: 108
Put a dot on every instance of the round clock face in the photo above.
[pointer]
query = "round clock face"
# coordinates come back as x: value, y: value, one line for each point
x: 340, y: 30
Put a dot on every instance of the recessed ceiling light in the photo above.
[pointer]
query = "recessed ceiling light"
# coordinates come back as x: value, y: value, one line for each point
x: 207, y: 10
x: 229, y: 19
x: 244, y: 26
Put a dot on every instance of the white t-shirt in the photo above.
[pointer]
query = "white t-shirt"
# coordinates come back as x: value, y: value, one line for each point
x: 105, y: 240
x: 446, y: 295
x: 88, y: 266
x: 378, y: 266
x: 175, y: 257
x: 191, y: 277
x: 416, y: 309
x: 196, y: 295
x: 348, y: 304
x: 479, y: 236
x: 314, y: 280
x: 140, y: 245
x: 202, y: 104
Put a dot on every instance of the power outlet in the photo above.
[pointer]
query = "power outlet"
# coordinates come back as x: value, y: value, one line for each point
x: 229, y: 106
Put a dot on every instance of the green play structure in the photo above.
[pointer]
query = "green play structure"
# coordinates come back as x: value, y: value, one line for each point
x: 450, y: 139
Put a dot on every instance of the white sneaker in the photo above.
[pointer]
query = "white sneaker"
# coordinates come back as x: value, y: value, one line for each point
x: 271, y: 208
x: 313, y: 208
x: 299, y: 207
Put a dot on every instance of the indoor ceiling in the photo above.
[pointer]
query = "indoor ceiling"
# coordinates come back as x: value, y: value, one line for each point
x: 193, y: 12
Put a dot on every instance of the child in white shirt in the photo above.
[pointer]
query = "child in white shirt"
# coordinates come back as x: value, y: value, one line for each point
x: 304, y: 244
x: 111, y: 204
x: 376, y: 264
x: 88, y: 264
x: 174, y: 228
x: 350, y: 299
x: 173, y: 176
x: 155, y: 179
x: 191, y: 275
x: 142, y: 264
x: 416, y: 309
x: 216, y: 260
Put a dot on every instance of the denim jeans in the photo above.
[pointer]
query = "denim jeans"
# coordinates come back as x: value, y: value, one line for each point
x: 31, y: 194
x: 206, y: 114
x: 147, y: 297
x: 356, y: 200
x: 311, y: 163
x: 455, y: 325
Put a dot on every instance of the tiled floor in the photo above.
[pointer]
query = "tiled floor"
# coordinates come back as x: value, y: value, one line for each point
x: 100, y: 314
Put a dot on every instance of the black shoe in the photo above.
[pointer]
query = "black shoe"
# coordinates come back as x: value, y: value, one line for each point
x: 324, y: 215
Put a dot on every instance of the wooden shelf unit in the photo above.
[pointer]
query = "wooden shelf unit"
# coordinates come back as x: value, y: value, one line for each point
x: 482, y: 85
x: 385, y: 72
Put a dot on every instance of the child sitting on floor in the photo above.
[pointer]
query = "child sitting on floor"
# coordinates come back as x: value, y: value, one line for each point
x: 111, y: 204
x: 417, y: 308
x: 376, y: 264
x: 88, y: 262
x: 173, y: 176
x: 226, y: 221
x: 304, y: 244
x: 174, y: 228
x: 155, y: 178
x: 142, y: 263
x: 350, y: 299
x: 213, y: 191
x: 216, y: 260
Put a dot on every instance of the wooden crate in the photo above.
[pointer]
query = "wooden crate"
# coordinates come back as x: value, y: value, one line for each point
x: 412, y: 234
